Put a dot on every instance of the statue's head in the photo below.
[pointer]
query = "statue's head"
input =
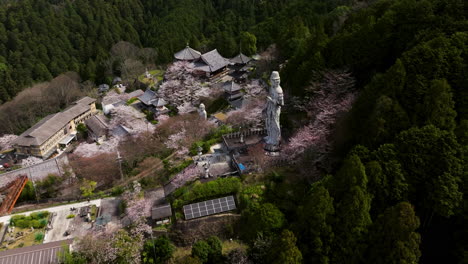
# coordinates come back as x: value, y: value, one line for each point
x: 275, y: 79
x: 202, y: 106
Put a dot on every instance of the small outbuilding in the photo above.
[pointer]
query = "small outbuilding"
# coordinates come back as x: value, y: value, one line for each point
x: 161, y: 214
x: 97, y: 128
x: 232, y: 90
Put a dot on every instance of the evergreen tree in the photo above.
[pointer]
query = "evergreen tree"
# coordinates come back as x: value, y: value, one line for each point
x: 353, y: 207
x: 284, y: 250
x: 393, y: 236
x: 440, y: 106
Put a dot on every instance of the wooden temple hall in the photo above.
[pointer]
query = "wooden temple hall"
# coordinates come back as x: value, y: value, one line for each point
x: 210, y: 64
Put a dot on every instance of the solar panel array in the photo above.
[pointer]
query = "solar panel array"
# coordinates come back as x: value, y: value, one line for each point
x: 209, y: 207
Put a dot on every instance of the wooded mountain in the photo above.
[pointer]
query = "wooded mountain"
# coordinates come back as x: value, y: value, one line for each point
x: 397, y: 194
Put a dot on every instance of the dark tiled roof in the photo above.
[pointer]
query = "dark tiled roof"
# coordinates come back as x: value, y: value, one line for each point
x: 51, y: 124
x: 187, y: 54
x: 231, y: 87
x: 241, y: 59
x: 147, y: 97
x: 158, y: 102
x: 161, y: 212
x: 98, y: 125
x: 214, y: 60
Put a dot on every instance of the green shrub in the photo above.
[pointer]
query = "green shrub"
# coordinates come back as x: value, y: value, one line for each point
x: 39, y: 236
x: 39, y: 215
x: 212, y: 189
x: 70, y: 216
x: 22, y: 223
x: 131, y: 100
x: 35, y: 224
x: 117, y: 190
x: 217, y: 105
x: 43, y: 222
x: 251, y: 194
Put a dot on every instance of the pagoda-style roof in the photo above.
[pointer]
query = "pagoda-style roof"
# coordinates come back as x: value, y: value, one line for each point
x: 231, y: 87
x: 240, y: 59
x: 159, y: 102
x: 213, y: 60
x: 187, y: 54
x: 147, y: 97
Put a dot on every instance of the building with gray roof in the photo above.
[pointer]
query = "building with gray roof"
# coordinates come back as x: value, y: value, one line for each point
x: 187, y: 54
x: 233, y: 91
x: 43, y: 139
x: 97, y: 128
x: 211, y: 64
x: 240, y: 59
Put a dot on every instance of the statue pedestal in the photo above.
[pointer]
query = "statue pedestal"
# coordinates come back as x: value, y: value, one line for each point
x: 272, y: 150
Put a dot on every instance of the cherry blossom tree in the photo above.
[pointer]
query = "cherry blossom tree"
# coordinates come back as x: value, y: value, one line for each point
x: 180, y: 132
x: 182, y: 89
x: 6, y: 141
x: 190, y: 173
x: 249, y: 115
x: 92, y: 149
x: 330, y: 98
x: 130, y: 118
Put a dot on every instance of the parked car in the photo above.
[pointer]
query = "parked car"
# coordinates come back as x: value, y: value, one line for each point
x: 2, y: 156
x: 1, y: 167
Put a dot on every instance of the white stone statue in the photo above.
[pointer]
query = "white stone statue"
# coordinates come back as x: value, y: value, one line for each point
x: 273, y: 110
x: 202, y: 112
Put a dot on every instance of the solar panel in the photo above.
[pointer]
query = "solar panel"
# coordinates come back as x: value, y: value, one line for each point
x: 209, y: 207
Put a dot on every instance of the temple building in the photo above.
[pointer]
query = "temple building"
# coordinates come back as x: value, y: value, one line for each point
x: 55, y: 130
x: 187, y: 54
x: 211, y: 64
x: 233, y: 91
x: 240, y: 59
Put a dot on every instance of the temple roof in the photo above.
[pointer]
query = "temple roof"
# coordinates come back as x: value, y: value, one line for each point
x: 214, y: 60
x: 51, y: 124
x: 231, y: 87
x: 187, y: 54
x: 241, y: 59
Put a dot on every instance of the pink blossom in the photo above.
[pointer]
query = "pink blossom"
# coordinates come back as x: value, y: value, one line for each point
x: 190, y: 173
x: 6, y: 141
x: 331, y: 97
x: 182, y: 89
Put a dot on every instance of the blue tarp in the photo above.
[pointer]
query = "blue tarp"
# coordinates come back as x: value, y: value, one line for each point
x: 241, y: 167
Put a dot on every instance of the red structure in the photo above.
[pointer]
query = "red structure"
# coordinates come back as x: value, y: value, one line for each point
x: 11, y: 193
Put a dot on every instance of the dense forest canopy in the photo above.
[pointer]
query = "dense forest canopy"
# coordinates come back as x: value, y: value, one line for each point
x: 398, y: 192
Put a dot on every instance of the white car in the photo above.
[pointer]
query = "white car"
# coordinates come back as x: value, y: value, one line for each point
x: 1, y: 167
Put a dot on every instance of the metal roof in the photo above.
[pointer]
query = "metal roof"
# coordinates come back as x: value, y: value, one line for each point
x: 214, y: 60
x: 161, y: 212
x: 187, y: 54
x: 241, y: 59
x: 209, y: 207
x: 38, y: 254
x: 51, y: 124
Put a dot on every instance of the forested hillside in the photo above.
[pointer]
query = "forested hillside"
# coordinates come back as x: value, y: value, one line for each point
x: 396, y: 192
x: 406, y: 135
x: 41, y: 39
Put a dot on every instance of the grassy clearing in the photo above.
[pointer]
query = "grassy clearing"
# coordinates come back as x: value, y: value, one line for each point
x: 30, y: 238
x: 229, y: 246
x: 181, y: 252
x: 93, y: 212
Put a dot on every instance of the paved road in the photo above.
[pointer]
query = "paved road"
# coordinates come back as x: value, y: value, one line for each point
x: 66, y: 207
